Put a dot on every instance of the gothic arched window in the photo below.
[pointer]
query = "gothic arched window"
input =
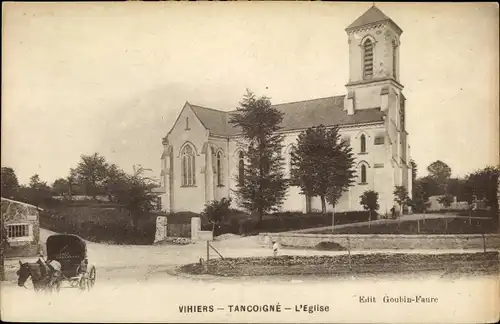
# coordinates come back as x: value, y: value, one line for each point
x: 368, y: 59
x: 219, y: 169
x: 188, y: 166
x: 363, y: 143
x: 241, y: 169
x: 363, y: 173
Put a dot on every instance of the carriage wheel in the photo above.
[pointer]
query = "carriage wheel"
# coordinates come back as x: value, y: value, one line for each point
x: 91, y: 278
x: 82, y: 283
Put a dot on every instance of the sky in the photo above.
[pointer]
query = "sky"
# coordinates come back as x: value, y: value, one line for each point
x: 80, y: 78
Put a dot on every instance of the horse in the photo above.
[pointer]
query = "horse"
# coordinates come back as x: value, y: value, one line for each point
x: 43, y: 277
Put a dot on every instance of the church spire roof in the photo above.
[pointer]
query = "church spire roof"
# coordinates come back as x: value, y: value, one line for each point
x: 371, y: 16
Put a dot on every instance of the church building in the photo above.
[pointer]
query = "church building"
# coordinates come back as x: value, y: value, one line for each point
x: 201, y: 161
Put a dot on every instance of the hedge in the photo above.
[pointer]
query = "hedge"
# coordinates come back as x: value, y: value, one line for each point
x: 242, y: 224
x: 103, y: 230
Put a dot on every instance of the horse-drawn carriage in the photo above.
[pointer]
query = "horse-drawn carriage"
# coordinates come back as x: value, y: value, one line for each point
x: 66, y: 262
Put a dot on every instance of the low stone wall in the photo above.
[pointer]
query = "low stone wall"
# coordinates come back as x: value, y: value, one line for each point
x: 30, y: 249
x: 385, y: 242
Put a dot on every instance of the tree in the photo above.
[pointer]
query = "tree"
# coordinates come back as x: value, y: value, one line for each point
x: 74, y: 187
x: 429, y: 186
x: 135, y: 193
x: 323, y: 164
x: 484, y: 184
x: 369, y: 201
x: 216, y: 211
x: 420, y: 201
x: 35, y: 181
x: 460, y: 188
x: 10, y: 183
x: 91, y: 173
x: 414, y: 170
x: 264, y: 187
x: 440, y: 172
x: 37, y: 193
x: 446, y: 200
x: 401, y: 197
x: 114, y: 179
x: 61, y: 187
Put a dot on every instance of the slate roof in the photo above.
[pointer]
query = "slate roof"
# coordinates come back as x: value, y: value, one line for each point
x: 371, y: 16
x: 297, y: 115
x: 214, y: 120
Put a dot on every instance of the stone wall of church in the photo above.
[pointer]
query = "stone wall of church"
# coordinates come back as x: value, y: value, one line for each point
x: 221, y: 183
x: 379, y: 172
x: 233, y: 169
x: 374, y: 160
x: 367, y: 96
x: 187, y: 198
x: 382, y: 172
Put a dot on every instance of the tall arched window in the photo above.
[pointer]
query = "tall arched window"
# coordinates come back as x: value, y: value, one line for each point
x: 188, y: 166
x: 219, y: 168
x: 363, y: 143
x: 368, y: 59
x: 363, y: 173
x: 241, y: 169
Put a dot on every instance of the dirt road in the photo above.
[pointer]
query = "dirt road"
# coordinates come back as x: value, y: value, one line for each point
x: 135, y: 284
x: 139, y: 263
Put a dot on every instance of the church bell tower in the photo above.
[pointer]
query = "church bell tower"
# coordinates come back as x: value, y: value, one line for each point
x: 374, y: 41
x: 374, y: 83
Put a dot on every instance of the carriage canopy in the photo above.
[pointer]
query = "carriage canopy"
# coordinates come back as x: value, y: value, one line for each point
x: 66, y: 246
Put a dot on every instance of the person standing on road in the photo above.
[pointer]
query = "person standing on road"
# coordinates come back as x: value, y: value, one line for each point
x: 275, y: 248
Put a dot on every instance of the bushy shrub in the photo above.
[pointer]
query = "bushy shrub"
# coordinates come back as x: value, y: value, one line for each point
x: 248, y: 227
x: 216, y: 212
x: 329, y: 246
x: 353, y: 217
